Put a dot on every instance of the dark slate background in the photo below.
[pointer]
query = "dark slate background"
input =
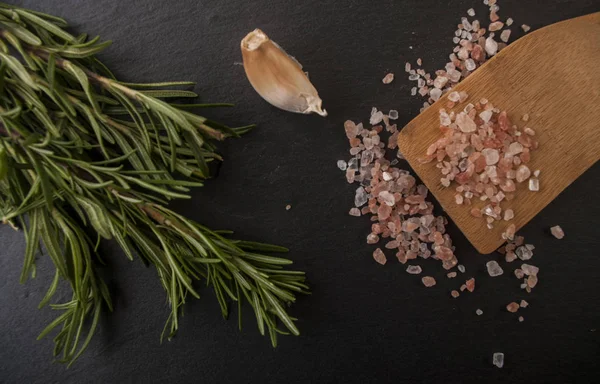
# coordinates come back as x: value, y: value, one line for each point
x: 364, y: 323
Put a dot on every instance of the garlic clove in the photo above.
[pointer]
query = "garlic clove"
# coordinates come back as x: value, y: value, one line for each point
x: 277, y: 77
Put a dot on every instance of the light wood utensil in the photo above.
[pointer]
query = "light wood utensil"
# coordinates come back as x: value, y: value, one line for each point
x: 552, y: 74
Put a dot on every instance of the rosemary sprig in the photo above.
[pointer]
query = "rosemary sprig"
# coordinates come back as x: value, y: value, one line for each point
x: 85, y: 157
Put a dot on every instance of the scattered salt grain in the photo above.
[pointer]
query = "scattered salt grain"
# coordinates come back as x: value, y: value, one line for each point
x: 451, y: 275
x: 557, y: 232
x: 523, y: 304
x: 342, y: 165
x: 534, y: 185
x: 428, y: 281
x: 521, y: 319
x: 361, y: 197
x: 512, y: 307
x: 354, y: 212
x: 414, y: 269
x: 470, y: 284
x: 407, y: 67
x: 519, y: 273
x: 509, y: 214
x: 504, y: 36
x: 529, y: 270
x: 379, y: 256
x: 471, y: 12
x: 509, y: 21
x: 495, y: 26
x: 491, y: 46
x: 388, y: 78
x: 498, y: 359
x: 479, y: 312
x: 525, y: 28
x: 524, y: 253
x: 393, y: 114
x: 288, y: 207
x: 493, y: 268
x: 454, y: 293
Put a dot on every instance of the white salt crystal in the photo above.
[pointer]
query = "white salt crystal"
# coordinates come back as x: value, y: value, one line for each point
x: 491, y: 155
x: 413, y: 91
x: 414, y: 269
x: 456, y: 40
x: 470, y: 65
x: 461, y: 268
x: 505, y: 35
x: 524, y: 253
x: 471, y: 12
x: 376, y: 118
x: 509, y: 21
x: 387, y: 198
x: 479, y: 312
x: 440, y: 81
x: 498, y: 359
x: 342, y: 165
x: 557, y: 232
x: 393, y: 114
x: 435, y: 94
x: 465, y: 123
x: 493, y: 268
x: 536, y: 173
x: 354, y: 212
x: 491, y: 46
x: 529, y: 270
x: 486, y: 115
x: 534, y: 185
x: 525, y: 28
x: 407, y: 67
x: 454, y: 96
x: 361, y: 197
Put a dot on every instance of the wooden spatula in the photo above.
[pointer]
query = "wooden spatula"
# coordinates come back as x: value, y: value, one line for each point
x: 552, y: 74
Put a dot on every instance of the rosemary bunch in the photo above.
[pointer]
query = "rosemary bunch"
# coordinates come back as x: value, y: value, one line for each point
x: 86, y: 157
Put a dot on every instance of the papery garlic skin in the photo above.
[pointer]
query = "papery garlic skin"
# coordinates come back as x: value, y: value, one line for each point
x: 277, y: 77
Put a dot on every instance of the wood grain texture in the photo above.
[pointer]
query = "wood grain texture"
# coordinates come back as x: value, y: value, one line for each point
x: 550, y: 74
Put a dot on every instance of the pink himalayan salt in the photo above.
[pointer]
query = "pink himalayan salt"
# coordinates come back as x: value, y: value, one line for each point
x: 495, y: 26
x: 509, y: 214
x: 354, y: 212
x: 523, y: 173
x: 523, y: 304
x: 512, y: 307
x: 519, y: 273
x: 532, y: 281
x: 428, y: 281
x: 465, y: 123
x: 451, y: 275
x: 470, y: 284
x: 379, y: 256
x: 414, y: 269
x: 388, y: 78
x: 455, y: 293
x: 557, y: 232
x: 521, y: 319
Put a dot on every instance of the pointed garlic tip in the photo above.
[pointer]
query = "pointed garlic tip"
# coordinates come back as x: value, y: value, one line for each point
x: 277, y: 77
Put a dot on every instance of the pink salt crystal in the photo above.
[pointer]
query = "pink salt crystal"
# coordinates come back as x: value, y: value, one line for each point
x: 509, y: 214
x: 523, y: 173
x: 512, y: 307
x: 491, y: 46
x: 509, y: 21
x: 407, y: 67
x: 529, y: 270
x: 428, y: 281
x: 463, y: 287
x: 557, y: 232
x: 532, y: 281
x: 495, y: 26
x: 476, y: 212
x: 521, y: 319
x: 354, y: 212
x: 529, y: 131
x: 384, y: 211
x: 414, y: 269
x: 351, y: 129
x: 372, y: 238
x: 523, y: 304
x: 466, y: 124
x: 451, y: 275
x: 419, y: 61
x: 525, y: 28
x: 486, y: 115
x: 389, y: 78
x: 440, y: 81
x: 519, y: 273
x: 510, y: 232
x: 463, y: 96
x: 455, y: 293
x: 470, y: 284
x: 514, y: 149
x: 504, y: 36
x: 379, y: 256
x: 510, y: 257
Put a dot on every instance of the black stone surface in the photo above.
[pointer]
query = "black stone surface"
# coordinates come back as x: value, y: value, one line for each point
x: 364, y: 323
